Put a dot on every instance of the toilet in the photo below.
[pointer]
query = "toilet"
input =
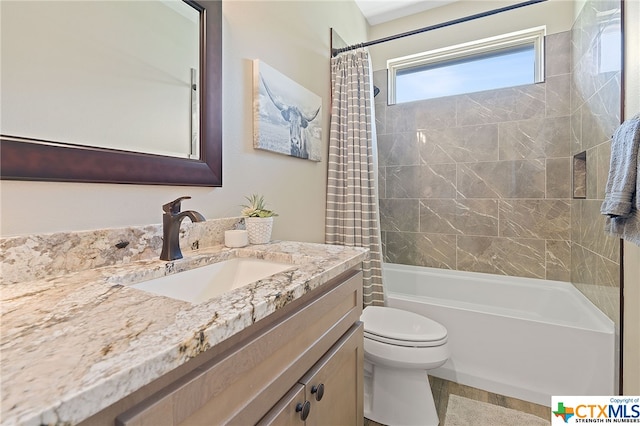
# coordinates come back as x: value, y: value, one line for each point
x: 399, y: 348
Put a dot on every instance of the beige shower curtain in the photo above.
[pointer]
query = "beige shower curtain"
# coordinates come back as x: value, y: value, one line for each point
x: 352, y: 199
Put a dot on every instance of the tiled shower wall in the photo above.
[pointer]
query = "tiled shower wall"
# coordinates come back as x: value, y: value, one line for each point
x: 481, y: 182
x: 595, y: 114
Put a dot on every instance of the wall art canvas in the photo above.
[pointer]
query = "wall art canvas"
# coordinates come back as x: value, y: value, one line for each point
x: 287, y: 118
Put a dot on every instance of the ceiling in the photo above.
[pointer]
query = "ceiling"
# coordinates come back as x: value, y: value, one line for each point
x: 379, y: 11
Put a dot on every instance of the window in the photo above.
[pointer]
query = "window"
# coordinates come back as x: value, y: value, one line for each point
x: 503, y: 61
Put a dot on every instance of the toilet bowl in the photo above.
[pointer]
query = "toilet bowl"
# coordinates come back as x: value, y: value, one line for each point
x: 399, y: 348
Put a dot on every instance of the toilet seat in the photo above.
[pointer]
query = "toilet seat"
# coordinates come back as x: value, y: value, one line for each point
x: 402, y: 328
x: 406, y: 343
x: 400, y: 347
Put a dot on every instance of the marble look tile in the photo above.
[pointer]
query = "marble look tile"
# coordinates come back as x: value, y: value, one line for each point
x: 427, y: 181
x: 459, y: 217
x: 606, y: 298
x: 383, y: 244
x: 576, y: 41
x: 590, y: 268
x: 558, y: 177
x: 557, y: 53
x: 535, y: 138
x: 540, y: 219
x: 477, y: 217
x: 400, y: 214
x: 432, y: 148
x: 398, y: 149
x: 592, y: 174
x: 601, y: 115
x: 584, y: 77
x: 603, y: 163
x: 558, y: 95
x: 381, y: 118
x: 607, y: 105
x: 501, y: 179
x: 576, y: 97
x: 504, y: 256
x: 421, y: 249
x: 576, y: 211
x: 459, y: 144
x: 438, y: 216
x: 400, y: 118
x: 540, y: 127
x: 382, y: 182
x: 558, y: 260
x: 576, y: 132
x: 592, y: 235
x: 436, y: 113
x: 496, y: 106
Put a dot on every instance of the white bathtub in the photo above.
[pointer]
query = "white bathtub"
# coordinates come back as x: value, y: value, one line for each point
x: 521, y: 337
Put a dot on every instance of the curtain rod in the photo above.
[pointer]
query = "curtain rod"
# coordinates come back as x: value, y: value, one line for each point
x: 334, y: 52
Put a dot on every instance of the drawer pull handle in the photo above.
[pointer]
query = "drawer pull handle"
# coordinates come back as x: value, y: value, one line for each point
x: 303, y: 409
x: 318, y: 391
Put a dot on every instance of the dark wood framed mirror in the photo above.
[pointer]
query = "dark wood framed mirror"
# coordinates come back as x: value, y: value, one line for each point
x: 38, y: 160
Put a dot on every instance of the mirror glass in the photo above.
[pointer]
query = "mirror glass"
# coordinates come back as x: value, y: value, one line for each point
x: 109, y: 74
x: 112, y: 91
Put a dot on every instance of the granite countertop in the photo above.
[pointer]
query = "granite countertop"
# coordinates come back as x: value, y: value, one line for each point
x: 73, y: 345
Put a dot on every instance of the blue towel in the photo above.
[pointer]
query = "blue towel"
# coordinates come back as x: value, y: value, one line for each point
x: 622, y: 196
x: 622, y: 184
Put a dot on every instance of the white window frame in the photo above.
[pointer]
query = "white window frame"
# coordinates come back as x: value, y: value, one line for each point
x: 529, y: 36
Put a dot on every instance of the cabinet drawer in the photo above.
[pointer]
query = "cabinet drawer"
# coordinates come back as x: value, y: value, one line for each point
x: 242, y: 384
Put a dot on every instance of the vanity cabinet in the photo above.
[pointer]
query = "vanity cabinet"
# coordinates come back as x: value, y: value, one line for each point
x: 308, y: 355
x: 330, y: 393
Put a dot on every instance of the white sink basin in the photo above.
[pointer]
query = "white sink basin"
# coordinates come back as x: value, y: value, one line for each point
x: 201, y: 284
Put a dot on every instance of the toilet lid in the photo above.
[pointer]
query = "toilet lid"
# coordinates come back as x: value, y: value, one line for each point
x: 403, y: 328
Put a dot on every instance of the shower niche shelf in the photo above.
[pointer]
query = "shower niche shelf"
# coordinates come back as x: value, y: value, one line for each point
x: 580, y: 175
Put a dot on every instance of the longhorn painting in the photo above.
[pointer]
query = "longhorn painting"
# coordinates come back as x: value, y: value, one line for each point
x: 287, y: 117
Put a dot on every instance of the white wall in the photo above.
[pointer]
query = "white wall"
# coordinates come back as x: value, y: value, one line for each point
x: 631, y: 342
x: 557, y: 15
x: 292, y: 37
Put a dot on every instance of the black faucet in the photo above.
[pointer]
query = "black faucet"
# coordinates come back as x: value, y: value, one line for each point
x: 171, y: 220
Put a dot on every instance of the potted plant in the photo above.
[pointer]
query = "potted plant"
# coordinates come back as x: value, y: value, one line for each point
x: 258, y: 219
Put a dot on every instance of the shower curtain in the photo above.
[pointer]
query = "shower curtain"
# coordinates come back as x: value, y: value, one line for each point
x: 352, y: 198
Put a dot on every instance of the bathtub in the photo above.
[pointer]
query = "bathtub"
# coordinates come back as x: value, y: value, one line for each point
x: 520, y: 337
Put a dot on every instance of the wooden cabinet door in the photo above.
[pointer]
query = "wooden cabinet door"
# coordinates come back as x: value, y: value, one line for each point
x: 334, y: 386
x: 288, y: 411
x: 331, y: 391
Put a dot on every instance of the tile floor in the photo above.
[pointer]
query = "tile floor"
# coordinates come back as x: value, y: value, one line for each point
x: 443, y: 388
